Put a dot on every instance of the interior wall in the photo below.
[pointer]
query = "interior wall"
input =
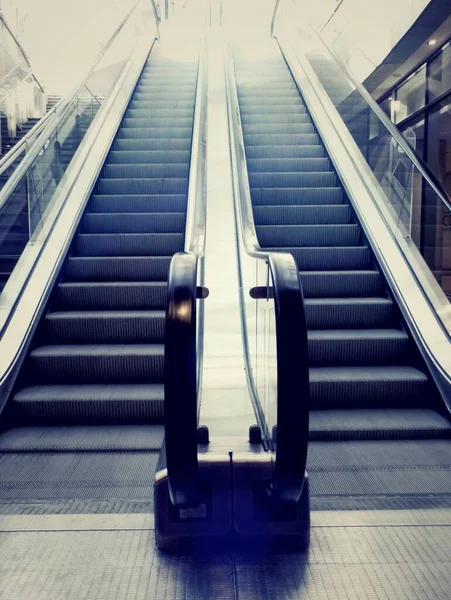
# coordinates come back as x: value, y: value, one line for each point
x: 363, y: 32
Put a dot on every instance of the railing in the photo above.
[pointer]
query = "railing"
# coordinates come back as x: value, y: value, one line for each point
x: 32, y: 198
x: 184, y: 320
x: 273, y: 328
x: 411, y: 199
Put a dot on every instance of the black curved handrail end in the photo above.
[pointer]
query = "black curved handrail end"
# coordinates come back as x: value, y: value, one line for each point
x: 292, y: 379
x: 180, y: 381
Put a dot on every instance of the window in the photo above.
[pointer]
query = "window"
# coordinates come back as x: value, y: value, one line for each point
x: 440, y: 74
x: 410, y: 96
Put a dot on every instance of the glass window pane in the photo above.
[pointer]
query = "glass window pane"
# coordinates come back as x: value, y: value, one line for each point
x: 440, y: 74
x: 410, y: 97
x: 386, y: 106
x: 436, y: 219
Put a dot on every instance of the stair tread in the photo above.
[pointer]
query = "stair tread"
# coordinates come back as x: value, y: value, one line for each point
x: 97, y: 350
x: 346, y: 419
x: 99, y: 392
x: 366, y: 373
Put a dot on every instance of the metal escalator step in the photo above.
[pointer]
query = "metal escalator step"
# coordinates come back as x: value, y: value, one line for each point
x: 148, y: 133
x: 249, y: 118
x: 135, y: 222
x: 349, y: 313
x: 368, y: 387
x: 166, y: 87
x: 149, y: 157
x: 129, y: 244
x: 255, y: 93
x: 168, y: 104
x: 293, y: 165
x: 282, y: 139
x: 149, y: 121
x: 297, y: 196
x: 162, y: 185
x: 117, y: 295
x: 341, y: 284
x: 164, y: 113
x: 357, y: 347
x: 155, y: 96
x: 277, y: 129
x: 260, y: 111
x: 270, y: 152
x: 308, y: 235
x: 79, y: 438
x: 261, y: 103
x: 99, y: 363
x: 302, y: 215
x: 328, y: 258
x: 161, y: 203
x: 117, y: 268
x: 94, y: 403
x: 112, y: 327
x: 373, y: 424
x: 145, y: 171
x: 296, y: 180
x: 167, y: 144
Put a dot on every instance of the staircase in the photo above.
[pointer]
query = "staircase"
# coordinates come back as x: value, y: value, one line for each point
x: 97, y: 357
x: 367, y: 379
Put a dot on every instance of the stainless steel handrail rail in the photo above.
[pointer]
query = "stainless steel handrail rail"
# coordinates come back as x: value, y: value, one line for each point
x: 422, y: 167
x: 50, y: 127
x: 197, y: 187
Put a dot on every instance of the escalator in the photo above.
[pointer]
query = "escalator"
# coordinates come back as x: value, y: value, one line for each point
x: 378, y: 426
x: 84, y: 419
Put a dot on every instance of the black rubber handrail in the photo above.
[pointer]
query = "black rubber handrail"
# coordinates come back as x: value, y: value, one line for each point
x: 183, y: 346
x: 180, y: 381
x: 290, y: 323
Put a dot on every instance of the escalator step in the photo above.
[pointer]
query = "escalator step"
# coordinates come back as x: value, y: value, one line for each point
x: 413, y: 424
x: 293, y: 180
x: 269, y: 152
x: 328, y: 258
x: 282, y: 139
x: 118, y: 403
x: 296, y: 196
x: 357, y: 347
x: 284, y: 165
x: 350, y: 313
x: 136, y: 171
x: 129, y: 244
x: 302, y: 215
x: 79, y: 438
x: 149, y: 157
x: 157, y: 122
x: 250, y: 118
x: 148, y: 133
x: 170, y: 185
x: 368, y: 387
x: 341, y: 284
x: 278, y: 128
x: 133, y: 295
x: 87, y: 363
x: 117, y: 268
x: 134, y: 222
x: 167, y: 104
x: 169, y: 203
x: 110, y: 327
x: 309, y: 235
x: 166, y: 144
x: 151, y: 111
